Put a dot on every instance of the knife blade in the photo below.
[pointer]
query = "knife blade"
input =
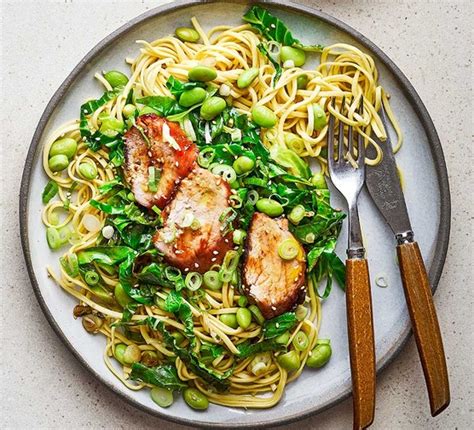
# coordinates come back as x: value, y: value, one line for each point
x: 384, y: 187
x: 383, y: 183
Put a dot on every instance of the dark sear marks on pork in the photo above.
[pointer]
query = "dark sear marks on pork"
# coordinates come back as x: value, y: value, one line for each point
x: 273, y: 284
x: 192, y: 238
x: 147, y: 145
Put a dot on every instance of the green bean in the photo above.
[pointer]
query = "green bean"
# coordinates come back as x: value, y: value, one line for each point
x: 119, y: 351
x: 187, y: 34
x: 192, y: 97
x: 92, y: 323
x: 58, y: 163
x: 257, y: 314
x: 244, y: 318
x: 263, y: 116
x: 212, y: 281
x: 121, y: 296
x: 320, y: 355
x: 238, y: 236
x: 129, y: 110
x: 243, y: 164
x: 162, y: 396
x: 132, y: 354
x: 319, y: 116
x: 283, y: 338
x: 65, y: 146
x: 195, y: 399
x: 88, y: 170
x: 289, y: 361
x: 247, y: 77
x: 288, y: 53
x: 302, y: 82
x: 116, y: 78
x: 212, y: 107
x: 300, y: 341
x: 50, y: 190
x: 318, y: 181
x: 297, y: 214
x: 202, y: 74
x: 229, y: 320
x: 243, y: 301
x: 269, y: 207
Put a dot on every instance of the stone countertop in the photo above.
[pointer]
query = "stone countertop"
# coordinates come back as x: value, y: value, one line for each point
x: 42, y: 41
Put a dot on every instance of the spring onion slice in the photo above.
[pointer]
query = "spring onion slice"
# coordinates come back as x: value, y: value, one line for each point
x: 152, y: 180
x: 225, y: 171
x: 288, y: 249
x: 193, y: 281
x: 205, y: 157
x: 212, y: 281
x: 91, y: 277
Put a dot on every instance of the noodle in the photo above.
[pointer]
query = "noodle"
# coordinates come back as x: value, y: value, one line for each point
x: 344, y: 72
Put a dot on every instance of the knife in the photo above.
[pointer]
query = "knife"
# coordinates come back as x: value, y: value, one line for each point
x: 385, y: 189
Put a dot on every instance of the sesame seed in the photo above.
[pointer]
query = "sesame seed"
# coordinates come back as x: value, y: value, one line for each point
x: 186, y: 269
x: 277, y: 325
x: 296, y: 279
x: 176, y: 164
x: 213, y: 259
x: 215, y: 252
x: 226, y: 240
x: 150, y: 154
x: 196, y: 265
x: 274, y: 309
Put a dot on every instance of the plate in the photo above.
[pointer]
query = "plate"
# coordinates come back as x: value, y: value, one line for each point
x: 425, y: 185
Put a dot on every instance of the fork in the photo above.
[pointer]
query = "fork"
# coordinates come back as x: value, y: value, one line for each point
x: 349, y: 179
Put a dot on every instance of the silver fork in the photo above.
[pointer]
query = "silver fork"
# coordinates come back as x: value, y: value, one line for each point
x: 349, y: 181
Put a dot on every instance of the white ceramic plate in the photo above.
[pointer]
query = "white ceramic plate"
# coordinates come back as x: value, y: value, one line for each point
x: 426, y: 192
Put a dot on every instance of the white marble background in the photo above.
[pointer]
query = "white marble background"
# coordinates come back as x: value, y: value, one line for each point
x: 43, y: 386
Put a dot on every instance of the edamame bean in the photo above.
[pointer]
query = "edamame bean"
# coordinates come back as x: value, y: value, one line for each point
x: 187, y: 34
x: 289, y: 361
x: 302, y: 82
x: 319, y: 116
x: 247, y: 77
x: 178, y: 336
x: 244, y: 318
x: 88, y: 170
x: 288, y: 53
x: 58, y: 163
x: 238, y: 236
x: 202, y: 74
x: 211, y: 280
x: 229, y: 320
x: 212, y: 107
x: 243, y: 301
x: 116, y: 78
x: 129, y: 110
x: 318, y: 181
x: 66, y: 146
x: 269, y: 207
x: 195, y: 399
x: 319, y: 356
x: 161, y: 396
x: 243, y: 164
x: 111, y: 126
x: 132, y: 354
x: 263, y: 116
x: 121, y: 296
x: 119, y: 350
x: 192, y: 97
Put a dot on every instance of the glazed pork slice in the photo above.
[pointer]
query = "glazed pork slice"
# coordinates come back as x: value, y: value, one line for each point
x: 161, y: 144
x: 275, y: 285
x: 192, y: 237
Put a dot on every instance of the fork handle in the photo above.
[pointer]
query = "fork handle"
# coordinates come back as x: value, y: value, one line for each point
x: 361, y: 341
x: 425, y: 325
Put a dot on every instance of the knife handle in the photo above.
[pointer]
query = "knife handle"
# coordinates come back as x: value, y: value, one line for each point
x: 425, y: 325
x: 361, y: 341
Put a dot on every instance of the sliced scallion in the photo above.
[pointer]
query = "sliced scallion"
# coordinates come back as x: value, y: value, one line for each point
x: 212, y: 281
x: 50, y: 190
x: 152, y: 180
x: 193, y: 281
x: 172, y: 273
x: 288, y: 249
x: 225, y: 171
x: 91, y: 277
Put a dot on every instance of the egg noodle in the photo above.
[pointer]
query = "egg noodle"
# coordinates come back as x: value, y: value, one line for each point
x: 344, y: 71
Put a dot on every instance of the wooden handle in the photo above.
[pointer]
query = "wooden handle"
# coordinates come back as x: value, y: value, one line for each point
x: 361, y: 341
x: 425, y: 325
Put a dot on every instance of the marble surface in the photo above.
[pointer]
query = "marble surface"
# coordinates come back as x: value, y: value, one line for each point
x: 43, y: 386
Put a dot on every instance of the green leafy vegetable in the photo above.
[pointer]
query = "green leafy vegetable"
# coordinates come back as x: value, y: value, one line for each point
x: 165, y: 106
x: 263, y: 48
x: 175, y: 304
x: 164, y: 376
x: 247, y: 349
x: 109, y: 255
x: 278, y: 325
x: 177, y: 87
x: 155, y: 273
x: 274, y: 29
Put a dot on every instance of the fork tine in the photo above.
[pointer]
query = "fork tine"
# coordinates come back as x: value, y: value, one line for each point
x: 340, y: 144
x: 360, y: 138
x: 331, y: 137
